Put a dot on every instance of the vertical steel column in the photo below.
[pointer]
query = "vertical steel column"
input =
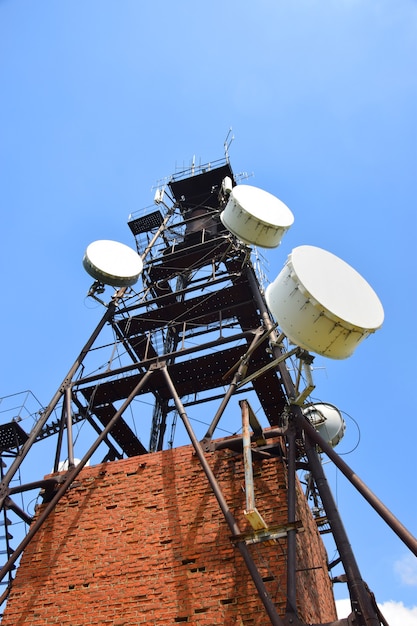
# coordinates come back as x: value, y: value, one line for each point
x: 247, y: 459
x: 356, y: 585
x: 400, y: 530
x: 277, y: 352
x: 361, y: 600
x: 60, y: 438
x: 70, y: 442
x: 241, y: 545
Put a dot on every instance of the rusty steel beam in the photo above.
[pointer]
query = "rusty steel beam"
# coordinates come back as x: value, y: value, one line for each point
x: 403, y: 533
x: 232, y: 523
x: 360, y: 597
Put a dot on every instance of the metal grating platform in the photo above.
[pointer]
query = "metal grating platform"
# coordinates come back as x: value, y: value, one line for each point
x: 11, y: 436
x: 146, y: 223
x: 201, y: 189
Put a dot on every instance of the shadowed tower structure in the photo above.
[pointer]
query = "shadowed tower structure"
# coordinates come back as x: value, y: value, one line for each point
x: 138, y: 530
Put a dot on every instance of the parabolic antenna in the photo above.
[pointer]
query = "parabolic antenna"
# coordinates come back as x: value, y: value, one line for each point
x: 64, y: 465
x: 327, y: 420
x: 256, y: 216
x: 112, y: 263
x: 322, y: 304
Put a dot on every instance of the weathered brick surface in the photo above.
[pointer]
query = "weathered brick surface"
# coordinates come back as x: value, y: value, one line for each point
x: 143, y: 541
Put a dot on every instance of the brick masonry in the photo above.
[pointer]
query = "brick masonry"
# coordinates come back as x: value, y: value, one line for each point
x: 143, y: 541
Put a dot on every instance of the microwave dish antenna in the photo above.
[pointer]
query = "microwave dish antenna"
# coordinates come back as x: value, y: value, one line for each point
x: 112, y: 263
x: 322, y: 304
x: 327, y: 420
x: 256, y: 216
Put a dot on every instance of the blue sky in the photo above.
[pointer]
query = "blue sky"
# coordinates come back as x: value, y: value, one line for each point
x: 100, y: 100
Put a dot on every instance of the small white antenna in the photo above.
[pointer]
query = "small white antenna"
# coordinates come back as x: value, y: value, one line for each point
x: 159, y: 195
x: 227, y: 145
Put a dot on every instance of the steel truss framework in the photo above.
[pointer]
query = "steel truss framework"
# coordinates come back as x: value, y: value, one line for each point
x: 199, y: 332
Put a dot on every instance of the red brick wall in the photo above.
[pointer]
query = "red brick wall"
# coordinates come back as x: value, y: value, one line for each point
x: 143, y: 541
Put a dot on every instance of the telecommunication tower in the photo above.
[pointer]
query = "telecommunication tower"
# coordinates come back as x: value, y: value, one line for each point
x: 187, y: 327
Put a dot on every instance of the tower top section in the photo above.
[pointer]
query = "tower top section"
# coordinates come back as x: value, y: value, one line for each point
x: 200, y: 186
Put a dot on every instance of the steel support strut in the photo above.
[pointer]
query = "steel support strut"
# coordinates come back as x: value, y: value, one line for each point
x: 357, y: 587
x: 403, y: 533
x: 70, y: 477
x: 58, y: 395
x: 239, y: 374
x: 361, y: 600
x: 70, y: 442
x: 232, y: 523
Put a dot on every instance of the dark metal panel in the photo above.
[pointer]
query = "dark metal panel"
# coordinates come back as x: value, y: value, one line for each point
x: 120, y: 432
x: 199, y: 311
x: 271, y: 396
x: 141, y: 344
x: 190, y: 376
x: 193, y: 376
x: 11, y: 436
x: 186, y: 257
x: 201, y: 189
x: 146, y: 223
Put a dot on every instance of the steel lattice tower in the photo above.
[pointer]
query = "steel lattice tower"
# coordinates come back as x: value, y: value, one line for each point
x: 196, y: 333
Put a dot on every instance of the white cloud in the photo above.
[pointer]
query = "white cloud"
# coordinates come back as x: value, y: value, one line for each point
x: 406, y: 568
x: 395, y: 613
x: 343, y: 608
